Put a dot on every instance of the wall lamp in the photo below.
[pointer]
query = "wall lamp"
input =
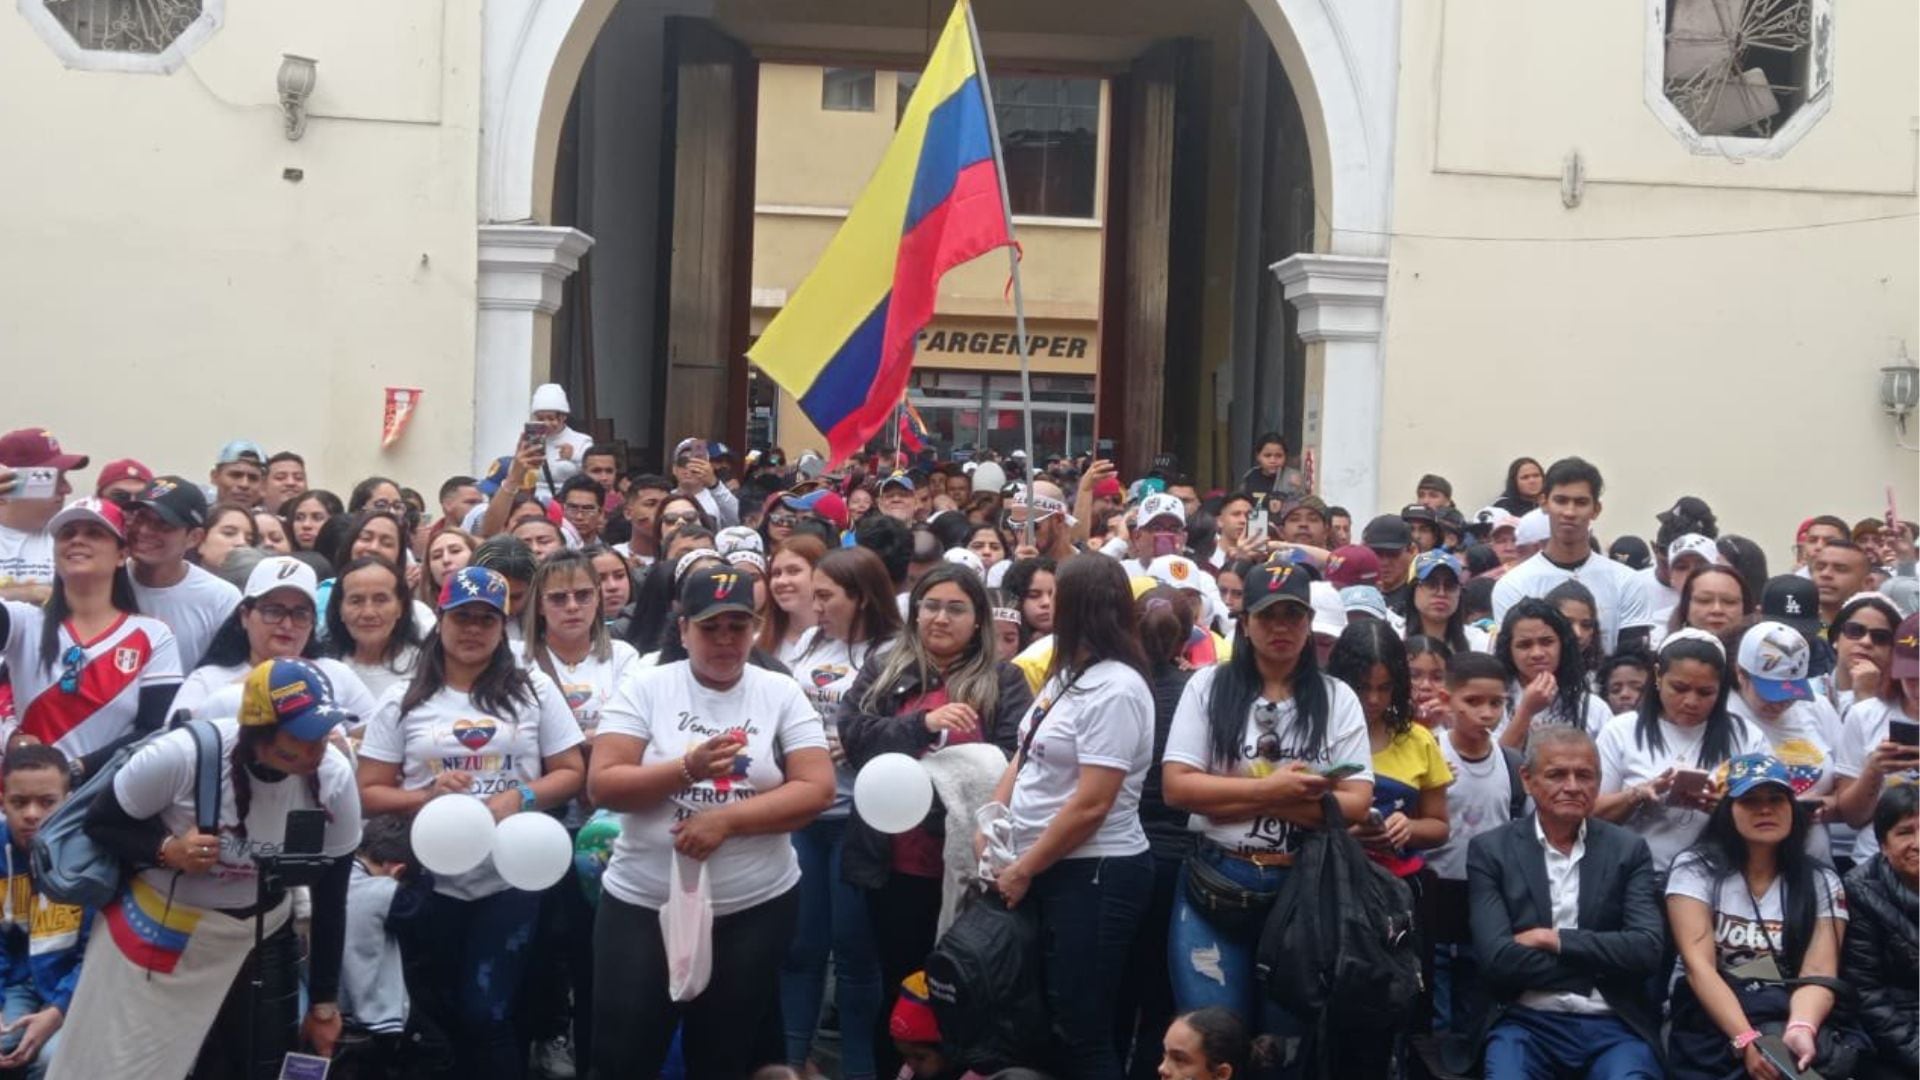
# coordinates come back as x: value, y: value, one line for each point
x: 1900, y: 391
x: 297, y: 76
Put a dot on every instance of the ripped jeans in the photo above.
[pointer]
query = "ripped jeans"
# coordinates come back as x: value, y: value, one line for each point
x: 1209, y: 967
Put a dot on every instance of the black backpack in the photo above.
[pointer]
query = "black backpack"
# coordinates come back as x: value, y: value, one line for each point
x: 1339, y: 946
x: 983, y: 979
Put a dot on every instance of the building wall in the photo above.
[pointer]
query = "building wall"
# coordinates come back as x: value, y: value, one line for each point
x: 166, y: 289
x: 1741, y: 368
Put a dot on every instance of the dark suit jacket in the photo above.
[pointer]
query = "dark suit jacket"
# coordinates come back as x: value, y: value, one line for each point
x: 1620, y: 936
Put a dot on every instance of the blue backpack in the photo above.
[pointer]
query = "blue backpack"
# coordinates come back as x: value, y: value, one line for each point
x: 70, y: 867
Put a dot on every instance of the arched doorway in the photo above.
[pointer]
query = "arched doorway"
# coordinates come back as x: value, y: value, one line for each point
x: 1339, y: 60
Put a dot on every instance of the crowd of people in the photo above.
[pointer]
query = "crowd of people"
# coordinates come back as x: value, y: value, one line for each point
x: 1649, y: 802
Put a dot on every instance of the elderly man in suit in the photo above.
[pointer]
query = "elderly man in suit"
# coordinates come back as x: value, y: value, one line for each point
x: 1567, y: 928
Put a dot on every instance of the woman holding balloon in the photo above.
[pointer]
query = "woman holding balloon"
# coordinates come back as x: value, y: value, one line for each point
x: 473, y: 722
x: 712, y: 763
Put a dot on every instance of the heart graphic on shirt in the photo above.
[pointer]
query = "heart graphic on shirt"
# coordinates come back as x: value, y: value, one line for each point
x: 824, y: 677
x: 473, y: 734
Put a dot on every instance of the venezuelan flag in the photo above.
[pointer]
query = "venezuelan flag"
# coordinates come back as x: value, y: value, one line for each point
x: 844, y: 343
x: 150, y: 931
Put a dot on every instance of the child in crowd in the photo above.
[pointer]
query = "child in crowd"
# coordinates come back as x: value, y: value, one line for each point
x: 41, y: 941
x: 385, y: 892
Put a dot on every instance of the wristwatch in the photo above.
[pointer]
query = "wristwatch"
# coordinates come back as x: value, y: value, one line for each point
x: 526, y: 795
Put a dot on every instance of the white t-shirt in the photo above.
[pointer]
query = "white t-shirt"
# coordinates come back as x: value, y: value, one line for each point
x: 1190, y: 742
x: 1661, y: 599
x: 588, y: 684
x: 1617, y: 591
x: 193, y: 609
x: 668, y: 708
x: 1480, y: 801
x: 1803, y: 739
x: 448, y: 732
x: 212, y: 692
x: 826, y: 670
x: 160, y: 780
x: 1668, y: 830
x: 1594, y: 714
x: 26, y: 558
x: 1863, y: 728
x: 381, y: 677
x: 1747, y: 927
x: 1105, y: 719
x: 138, y: 652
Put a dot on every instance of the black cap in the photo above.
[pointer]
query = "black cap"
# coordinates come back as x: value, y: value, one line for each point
x: 179, y: 502
x: 1388, y: 532
x: 1630, y: 551
x: 1435, y: 482
x: 715, y: 590
x: 1481, y: 559
x: 1450, y: 520
x: 1275, y: 581
x: 1166, y: 465
x: 1793, y: 600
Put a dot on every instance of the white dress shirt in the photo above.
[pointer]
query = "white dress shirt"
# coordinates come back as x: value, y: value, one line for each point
x: 1563, y: 890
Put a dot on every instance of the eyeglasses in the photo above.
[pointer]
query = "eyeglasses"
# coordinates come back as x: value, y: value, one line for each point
x: 577, y: 510
x: 275, y: 614
x: 576, y: 598
x: 783, y: 521
x: 682, y: 517
x: 391, y: 506
x: 1441, y: 584
x: 1854, y: 631
x: 952, y: 609
x: 70, y: 677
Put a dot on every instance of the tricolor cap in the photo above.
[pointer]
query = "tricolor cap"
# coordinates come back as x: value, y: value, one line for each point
x: 113, y: 472
x: 1776, y: 658
x: 1152, y: 485
x: 282, y: 572
x: 102, y: 512
x: 1432, y: 562
x: 913, y: 1019
x: 898, y: 479
x: 1161, y: 505
x: 1533, y: 528
x: 293, y: 695
x: 496, y: 475
x: 820, y: 502
x: 1274, y: 582
x: 1695, y: 545
x: 1750, y: 771
x: 715, y: 590
x: 1353, y: 565
x: 962, y: 557
x: 474, y: 585
x: 36, y: 447
x: 1906, y: 649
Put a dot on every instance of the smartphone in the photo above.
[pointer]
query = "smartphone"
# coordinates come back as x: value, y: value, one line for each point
x: 1688, y: 784
x: 1780, y: 1056
x: 1375, y: 818
x: 35, y: 482
x: 1257, y: 524
x: 535, y: 434
x: 1903, y: 731
x: 1103, y: 449
x: 306, y: 832
x: 1341, y: 771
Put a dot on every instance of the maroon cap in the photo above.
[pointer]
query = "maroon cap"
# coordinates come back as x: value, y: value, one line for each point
x: 124, y: 469
x: 31, y: 447
x: 1353, y: 565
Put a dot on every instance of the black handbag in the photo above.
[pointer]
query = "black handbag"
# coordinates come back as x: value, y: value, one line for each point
x: 1232, y: 908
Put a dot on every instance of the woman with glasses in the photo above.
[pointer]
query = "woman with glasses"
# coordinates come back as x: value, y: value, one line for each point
x: 378, y: 493
x: 368, y: 628
x: 790, y: 584
x: 1715, y: 599
x: 1435, y: 611
x: 565, y: 636
x: 1251, y: 749
x: 472, y: 721
x: 230, y: 527
x: 88, y: 672
x: 275, y: 621
x: 938, y: 685
x: 1862, y: 639
x: 305, y: 513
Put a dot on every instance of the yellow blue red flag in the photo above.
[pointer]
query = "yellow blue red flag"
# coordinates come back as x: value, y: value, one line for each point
x: 843, y: 344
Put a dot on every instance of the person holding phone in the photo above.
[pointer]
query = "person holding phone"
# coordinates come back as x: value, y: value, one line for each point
x: 693, y: 471
x: 168, y: 988
x: 549, y: 412
x: 1880, y: 738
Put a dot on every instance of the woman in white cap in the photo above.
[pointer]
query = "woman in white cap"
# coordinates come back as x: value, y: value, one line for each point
x: 1772, y: 693
x: 275, y: 620
x: 88, y: 672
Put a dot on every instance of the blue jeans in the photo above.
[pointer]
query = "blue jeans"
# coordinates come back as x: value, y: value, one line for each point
x: 1456, y: 989
x: 480, y: 952
x: 1089, y: 911
x: 22, y: 998
x: 833, y: 917
x: 1528, y: 1044
x: 1210, y: 967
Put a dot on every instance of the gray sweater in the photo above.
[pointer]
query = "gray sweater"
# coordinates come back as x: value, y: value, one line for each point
x: 373, y: 990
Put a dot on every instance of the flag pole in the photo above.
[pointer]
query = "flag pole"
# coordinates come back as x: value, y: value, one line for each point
x: 1013, y: 262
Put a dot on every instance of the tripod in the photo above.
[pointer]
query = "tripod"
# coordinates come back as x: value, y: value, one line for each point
x: 274, y: 875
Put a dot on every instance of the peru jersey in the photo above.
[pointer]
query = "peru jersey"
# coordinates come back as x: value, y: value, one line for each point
x: 82, y: 705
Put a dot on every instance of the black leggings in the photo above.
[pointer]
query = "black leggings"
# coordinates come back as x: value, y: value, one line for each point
x: 732, y: 1028
x: 276, y: 1020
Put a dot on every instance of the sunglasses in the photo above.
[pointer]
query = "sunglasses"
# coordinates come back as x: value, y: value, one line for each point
x: 783, y: 521
x: 70, y: 676
x: 1854, y: 631
x: 575, y: 598
x: 683, y: 517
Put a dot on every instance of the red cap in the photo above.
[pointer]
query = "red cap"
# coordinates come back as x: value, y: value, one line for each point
x: 123, y: 469
x: 1107, y: 488
x: 1353, y: 565
x: 29, y: 447
x: 912, y: 1019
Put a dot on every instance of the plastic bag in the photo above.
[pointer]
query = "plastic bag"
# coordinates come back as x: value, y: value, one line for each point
x: 994, y: 822
x: 686, y: 924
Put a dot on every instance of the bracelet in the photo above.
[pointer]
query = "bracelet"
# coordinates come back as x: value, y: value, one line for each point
x: 1811, y: 1029
x: 686, y: 773
x: 1744, y: 1040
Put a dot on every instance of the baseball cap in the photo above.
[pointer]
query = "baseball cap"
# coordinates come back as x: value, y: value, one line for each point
x: 242, y: 450
x: 496, y: 475
x: 809, y: 465
x: 1364, y: 599
x: 1630, y: 551
x: 1793, y: 600
x: 1275, y: 582
x: 282, y: 572
x: 1906, y: 649
x: 1329, y: 612
x: 1162, y: 505
x: 1108, y: 487
x: 1140, y: 489
x: 714, y: 590
x: 30, y: 447
x: 1533, y: 528
x: 103, y: 512
x: 1776, y: 658
x: 913, y: 1019
x: 1435, y: 482
x: 178, y: 502
x: 1750, y: 771
x: 1353, y: 565
x: 114, y: 472
x: 822, y: 502
x: 989, y: 476
x: 293, y: 695
x: 898, y: 479
x: 474, y: 585
x: 1436, y: 560
x: 1450, y: 520
x: 1313, y: 503
x: 1491, y: 519
x: 1413, y: 512
x: 962, y: 557
x: 1688, y: 508
x: 1388, y: 532
x: 688, y: 447
x: 738, y: 538
x: 1175, y: 571
x: 1692, y: 544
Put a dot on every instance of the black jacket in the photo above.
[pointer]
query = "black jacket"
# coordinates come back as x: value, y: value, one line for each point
x: 867, y: 860
x: 1166, y: 826
x: 1616, y: 947
x: 1882, y: 952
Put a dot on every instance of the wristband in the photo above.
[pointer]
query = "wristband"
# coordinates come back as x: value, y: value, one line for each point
x: 1744, y: 1040
x: 686, y: 773
x: 1811, y: 1030
x: 527, y: 797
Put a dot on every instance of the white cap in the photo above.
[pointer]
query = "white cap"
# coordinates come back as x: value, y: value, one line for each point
x: 1495, y: 518
x: 282, y: 572
x: 1159, y: 505
x: 549, y: 397
x: 1692, y: 544
x: 739, y: 538
x: 1180, y: 572
x: 963, y: 557
x: 989, y: 476
x: 101, y: 512
x: 1533, y: 528
x: 1329, y: 611
x: 1776, y: 658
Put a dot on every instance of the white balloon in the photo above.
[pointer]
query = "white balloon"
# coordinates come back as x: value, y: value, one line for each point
x: 531, y: 851
x: 893, y: 793
x: 452, y: 834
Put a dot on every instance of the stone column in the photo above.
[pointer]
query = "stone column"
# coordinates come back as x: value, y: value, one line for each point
x: 1342, y: 305
x: 522, y: 267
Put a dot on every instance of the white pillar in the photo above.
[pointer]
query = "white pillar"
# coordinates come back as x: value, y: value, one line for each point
x: 521, y: 270
x: 1342, y: 305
